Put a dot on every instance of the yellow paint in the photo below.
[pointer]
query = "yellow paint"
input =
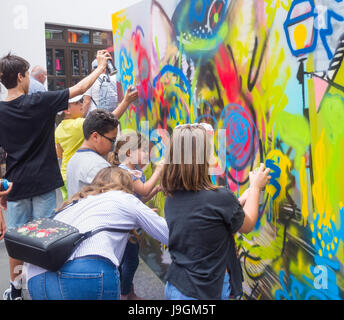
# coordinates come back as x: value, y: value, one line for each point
x: 300, y: 36
x: 304, y: 191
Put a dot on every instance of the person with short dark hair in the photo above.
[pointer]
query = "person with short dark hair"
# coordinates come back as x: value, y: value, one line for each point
x: 27, y: 125
x: 100, y: 130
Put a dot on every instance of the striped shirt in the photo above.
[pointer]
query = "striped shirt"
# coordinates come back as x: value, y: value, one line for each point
x: 114, y: 209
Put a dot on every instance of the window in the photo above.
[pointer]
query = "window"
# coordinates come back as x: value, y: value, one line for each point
x: 70, y: 52
x: 53, y: 34
x: 78, y: 36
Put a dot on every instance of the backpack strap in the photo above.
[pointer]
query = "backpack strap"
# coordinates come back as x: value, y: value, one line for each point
x: 66, y: 207
x: 91, y: 233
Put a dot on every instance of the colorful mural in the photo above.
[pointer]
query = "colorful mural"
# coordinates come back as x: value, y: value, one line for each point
x: 271, y: 73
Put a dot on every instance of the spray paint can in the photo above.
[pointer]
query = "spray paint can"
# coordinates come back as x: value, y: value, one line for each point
x: 4, y: 185
x: 136, y: 102
x: 111, y: 69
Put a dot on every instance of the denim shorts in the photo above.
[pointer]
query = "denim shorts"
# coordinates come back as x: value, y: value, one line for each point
x: 172, y: 293
x: 23, y: 211
x: 86, y: 278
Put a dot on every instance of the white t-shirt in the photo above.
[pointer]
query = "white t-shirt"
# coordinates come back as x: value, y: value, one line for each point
x: 3, y: 92
x: 93, y: 92
x: 82, y: 167
x: 113, y: 209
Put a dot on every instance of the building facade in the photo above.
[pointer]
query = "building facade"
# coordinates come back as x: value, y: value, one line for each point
x: 62, y: 36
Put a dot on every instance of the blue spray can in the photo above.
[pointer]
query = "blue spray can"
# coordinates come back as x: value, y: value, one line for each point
x: 4, y: 185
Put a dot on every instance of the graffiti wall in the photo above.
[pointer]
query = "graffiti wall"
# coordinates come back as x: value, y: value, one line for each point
x: 271, y: 73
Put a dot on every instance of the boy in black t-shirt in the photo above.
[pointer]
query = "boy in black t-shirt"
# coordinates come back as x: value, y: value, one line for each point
x: 27, y: 124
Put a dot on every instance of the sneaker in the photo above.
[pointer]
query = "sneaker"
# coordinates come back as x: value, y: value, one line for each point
x: 12, y: 293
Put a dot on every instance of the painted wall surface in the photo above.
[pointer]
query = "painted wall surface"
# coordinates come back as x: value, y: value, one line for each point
x: 271, y: 73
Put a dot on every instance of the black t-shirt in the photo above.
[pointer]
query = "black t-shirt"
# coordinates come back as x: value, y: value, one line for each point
x: 201, y: 227
x: 27, y: 126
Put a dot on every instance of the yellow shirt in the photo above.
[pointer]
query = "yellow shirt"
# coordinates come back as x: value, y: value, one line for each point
x: 69, y: 135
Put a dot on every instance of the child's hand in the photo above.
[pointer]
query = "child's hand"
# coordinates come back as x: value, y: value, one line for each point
x: 260, y: 178
x: 160, y: 165
x: 131, y: 95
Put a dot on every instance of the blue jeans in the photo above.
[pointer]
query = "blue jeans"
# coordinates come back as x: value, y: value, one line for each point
x: 128, y: 266
x: 23, y: 211
x: 86, y: 278
x: 172, y: 293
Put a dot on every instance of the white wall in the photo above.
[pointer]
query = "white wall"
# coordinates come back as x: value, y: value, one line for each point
x: 22, y: 22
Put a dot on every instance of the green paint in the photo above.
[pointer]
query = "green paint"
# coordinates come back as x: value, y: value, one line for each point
x: 216, y: 17
x: 123, y: 26
x: 207, y: 44
x: 294, y: 131
x: 157, y: 50
x: 332, y: 116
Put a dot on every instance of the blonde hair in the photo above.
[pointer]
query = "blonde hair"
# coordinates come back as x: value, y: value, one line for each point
x: 107, y: 179
x: 187, y: 159
x: 129, y: 141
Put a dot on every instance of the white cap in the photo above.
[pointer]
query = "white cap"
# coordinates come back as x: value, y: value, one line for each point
x: 76, y: 99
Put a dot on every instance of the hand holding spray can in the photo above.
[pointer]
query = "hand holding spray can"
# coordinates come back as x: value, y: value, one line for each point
x: 4, y: 185
x: 133, y: 88
x: 111, y: 69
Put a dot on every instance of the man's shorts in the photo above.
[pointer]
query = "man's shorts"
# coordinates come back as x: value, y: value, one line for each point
x: 23, y: 211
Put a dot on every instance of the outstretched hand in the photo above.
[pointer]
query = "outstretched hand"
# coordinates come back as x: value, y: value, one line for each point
x: 131, y: 95
x: 260, y: 178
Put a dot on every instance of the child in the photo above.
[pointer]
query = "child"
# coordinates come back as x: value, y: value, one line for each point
x: 130, y: 155
x: 129, y: 149
x: 69, y: 136
x: 202, y: 219
x: 91, y: 272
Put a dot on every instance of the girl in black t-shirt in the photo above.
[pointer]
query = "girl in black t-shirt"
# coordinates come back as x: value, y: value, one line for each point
x: 202, y: 218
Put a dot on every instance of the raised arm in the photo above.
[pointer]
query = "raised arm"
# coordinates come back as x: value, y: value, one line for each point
x: 144, y: 189
x: 82, y: 86
x: 130, y: 96
x: 257, y: 183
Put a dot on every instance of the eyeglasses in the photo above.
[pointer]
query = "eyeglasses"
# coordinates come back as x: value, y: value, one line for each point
x: 113, y: 141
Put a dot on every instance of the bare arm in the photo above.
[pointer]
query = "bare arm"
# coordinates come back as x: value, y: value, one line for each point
x: 144, y: 189
x: 251, y: 207
x: 151, y: 194
x: 86, y: 83
x: 59, y: 151
x: 130, y: 96
x: 2, y: 226
x: 86, y: 105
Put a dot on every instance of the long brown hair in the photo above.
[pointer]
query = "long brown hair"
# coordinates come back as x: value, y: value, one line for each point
x: 107, y: 179
x: 187, y: 161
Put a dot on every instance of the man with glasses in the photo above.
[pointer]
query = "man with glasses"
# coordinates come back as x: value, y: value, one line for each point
x: 100, y: 130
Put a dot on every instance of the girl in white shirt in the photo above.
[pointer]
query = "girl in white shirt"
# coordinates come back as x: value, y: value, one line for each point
x: 91, y: 273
